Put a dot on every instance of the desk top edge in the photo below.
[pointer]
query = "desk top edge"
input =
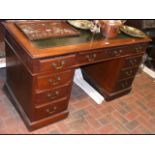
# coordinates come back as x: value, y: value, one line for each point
x: 35, y: 52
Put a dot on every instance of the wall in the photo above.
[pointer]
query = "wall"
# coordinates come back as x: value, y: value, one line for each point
x: 2, y: 54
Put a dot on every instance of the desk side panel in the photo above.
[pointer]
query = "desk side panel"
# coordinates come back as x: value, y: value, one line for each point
x: 19, y: 80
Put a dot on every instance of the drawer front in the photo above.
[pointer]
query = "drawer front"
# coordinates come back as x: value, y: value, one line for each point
x: 116, y: 52
x: 50, y: 109
x: 55, y: 94
x: 123, y: 84
x: 51, y: 81
x: 86, y: 58
x: 57, y: 64
x: 96, y: 56
x: 132, y: 62
x: 128, y: 73
x: 139, y: 49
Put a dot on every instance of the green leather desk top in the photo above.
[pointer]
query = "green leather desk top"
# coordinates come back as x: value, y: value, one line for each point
x: 84, y: 37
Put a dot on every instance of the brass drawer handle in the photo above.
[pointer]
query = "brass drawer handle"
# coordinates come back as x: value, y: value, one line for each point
x: 133, y: 62
x: 129, y: 72
x: 58, y: 66
x: 138, y: 49
x: 53, y: 96
x: 125, y: 84
x: 54, y: 82
x: 49, y: 111
x: 91, y: 57
x: 118, y: 53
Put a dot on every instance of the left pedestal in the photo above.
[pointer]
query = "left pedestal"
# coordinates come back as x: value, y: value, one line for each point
x: 40, y: 98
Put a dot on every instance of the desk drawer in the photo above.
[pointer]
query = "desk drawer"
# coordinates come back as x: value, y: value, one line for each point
x: 132, y: 62
x: 126, y: 73
x: 91, y: 57
x: 123, y: 84
x: 139, y: 48
x: 116, y: 52
x: 99, y: 55
x: 50, y: 109
x: 50, y: 81
x: 56, y: 64
x: 55, y: 94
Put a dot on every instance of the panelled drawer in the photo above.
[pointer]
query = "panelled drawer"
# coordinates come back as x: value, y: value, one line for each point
x: 50, y: 109
x: 123, y: 84
x: 48, y: 81
x: 55, y: 94
x: 126, y: 73
x: 117, y: 52
x: 139, y: 49
x: 57, y: 64
x: 132, y: 62
x: 92, y: 57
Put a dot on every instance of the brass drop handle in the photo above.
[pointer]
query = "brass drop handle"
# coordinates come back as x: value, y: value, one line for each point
x: 54, y: 82
x: 58, y: 66
x: 49, y: 111
x: 51, y: 96
x: 129, y: 72
x: 124, y: 85
x: 133, y: 62
x: 91, y: 57
x: 138, y: 49
x: 136, y: 61
x: 118, y: 53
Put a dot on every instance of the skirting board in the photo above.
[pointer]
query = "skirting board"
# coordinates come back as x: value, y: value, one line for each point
x: 148, y: 71
x: 98, y: 98
x: 78, y: 80
x: 2, y: 62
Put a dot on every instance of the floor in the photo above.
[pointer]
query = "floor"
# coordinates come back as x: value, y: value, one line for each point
x: 131, y: 114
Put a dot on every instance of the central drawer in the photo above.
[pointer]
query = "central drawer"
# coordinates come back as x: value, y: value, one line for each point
x: 52, y: 95
x: 100, y: 55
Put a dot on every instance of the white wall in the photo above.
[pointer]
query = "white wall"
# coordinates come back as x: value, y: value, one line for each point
x: 2, y: 62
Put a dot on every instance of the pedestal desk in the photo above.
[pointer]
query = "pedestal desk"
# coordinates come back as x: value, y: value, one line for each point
x: 40, y: 73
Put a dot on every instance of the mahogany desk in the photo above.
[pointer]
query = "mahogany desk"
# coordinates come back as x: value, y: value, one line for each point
x: 40, y: 73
